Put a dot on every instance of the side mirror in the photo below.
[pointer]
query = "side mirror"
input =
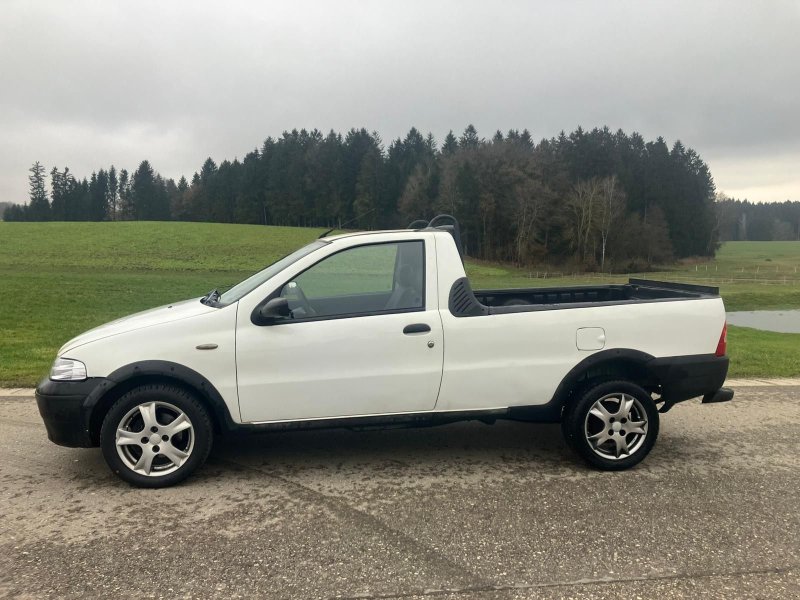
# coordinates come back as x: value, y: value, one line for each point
x: 274, y: 310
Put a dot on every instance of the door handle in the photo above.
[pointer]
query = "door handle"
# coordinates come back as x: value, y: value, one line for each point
x: 416, y: 328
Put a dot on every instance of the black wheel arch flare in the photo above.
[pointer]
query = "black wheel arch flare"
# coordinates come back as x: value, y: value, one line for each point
x: 618, y: 362
x: 129, y: 376
x: 675, y: 378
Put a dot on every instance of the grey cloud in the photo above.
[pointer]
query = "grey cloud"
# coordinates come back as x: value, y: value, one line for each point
x: 91, y: 83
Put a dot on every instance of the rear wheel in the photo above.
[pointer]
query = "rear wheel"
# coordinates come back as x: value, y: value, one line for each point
x: 156, y: 435
x: 613, y: 425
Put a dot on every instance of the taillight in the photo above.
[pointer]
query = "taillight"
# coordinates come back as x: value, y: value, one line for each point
x: 722, y: 346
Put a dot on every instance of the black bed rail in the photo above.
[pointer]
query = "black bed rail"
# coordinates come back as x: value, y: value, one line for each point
x: 705, y: 290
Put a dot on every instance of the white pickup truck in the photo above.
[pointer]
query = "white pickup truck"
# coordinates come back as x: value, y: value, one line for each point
x: 383, y: 329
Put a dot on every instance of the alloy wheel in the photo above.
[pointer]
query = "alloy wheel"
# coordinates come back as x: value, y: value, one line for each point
x: 155, y: 438
x: 616, y: 426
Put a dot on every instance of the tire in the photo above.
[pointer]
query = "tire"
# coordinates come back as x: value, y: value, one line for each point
x: 156, y: 435
x: 595, y: 426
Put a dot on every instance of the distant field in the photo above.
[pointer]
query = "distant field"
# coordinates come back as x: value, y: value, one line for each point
x: 750, y: 275
x: 58, y: 279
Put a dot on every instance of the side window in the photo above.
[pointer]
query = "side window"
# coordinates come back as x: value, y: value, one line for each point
x: 364, y: 279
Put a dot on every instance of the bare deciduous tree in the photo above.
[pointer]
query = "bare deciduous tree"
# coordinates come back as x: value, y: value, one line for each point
x: 611, y: 207
x: 582, y: 205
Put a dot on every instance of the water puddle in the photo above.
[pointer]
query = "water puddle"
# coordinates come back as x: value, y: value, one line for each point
x: 783, y: 321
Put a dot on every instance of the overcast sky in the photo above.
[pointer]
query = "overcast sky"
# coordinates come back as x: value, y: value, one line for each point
x: 88, y: 84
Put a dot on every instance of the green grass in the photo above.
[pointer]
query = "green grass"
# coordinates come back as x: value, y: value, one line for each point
x: 756, y: 353
x: 750, y: 275
x: 59, y: 279
x: 147, y: 246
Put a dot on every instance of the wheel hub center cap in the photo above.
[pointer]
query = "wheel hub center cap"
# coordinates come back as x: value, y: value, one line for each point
x: 155, y: 439
x: 616, y: 426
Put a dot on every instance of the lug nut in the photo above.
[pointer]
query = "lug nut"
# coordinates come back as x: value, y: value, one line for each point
x: 165, y: 438
x: 154, y: 429
x: 156, y: 448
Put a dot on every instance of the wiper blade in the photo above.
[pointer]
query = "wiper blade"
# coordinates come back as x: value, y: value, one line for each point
x: 211, y: 297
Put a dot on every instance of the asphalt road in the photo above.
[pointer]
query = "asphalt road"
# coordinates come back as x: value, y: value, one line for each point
x: 462, y: 511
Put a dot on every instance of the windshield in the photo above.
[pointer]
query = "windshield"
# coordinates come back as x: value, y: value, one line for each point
x: 248, y: 285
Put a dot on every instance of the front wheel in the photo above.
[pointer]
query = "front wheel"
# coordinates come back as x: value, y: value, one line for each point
x: 613, y: 426
x: 156, y: 435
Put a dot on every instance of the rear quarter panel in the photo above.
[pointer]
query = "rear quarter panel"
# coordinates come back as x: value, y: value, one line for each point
x: 519, y: 359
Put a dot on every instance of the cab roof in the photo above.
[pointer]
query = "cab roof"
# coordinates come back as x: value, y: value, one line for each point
x: 332, y: 238
x: 440, y: 223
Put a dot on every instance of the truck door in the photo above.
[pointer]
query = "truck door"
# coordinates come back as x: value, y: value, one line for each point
x: 365, y: 338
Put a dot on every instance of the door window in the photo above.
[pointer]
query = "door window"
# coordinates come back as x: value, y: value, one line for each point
x: 362, y: 280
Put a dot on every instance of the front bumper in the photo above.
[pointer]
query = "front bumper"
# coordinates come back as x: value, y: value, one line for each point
x: 65, y: 407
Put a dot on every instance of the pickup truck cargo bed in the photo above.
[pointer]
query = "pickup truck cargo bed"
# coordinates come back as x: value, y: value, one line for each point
x: 549, y: 298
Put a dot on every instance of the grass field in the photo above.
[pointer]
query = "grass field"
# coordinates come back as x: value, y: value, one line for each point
x: 750, y: 275
x: 59, y: 279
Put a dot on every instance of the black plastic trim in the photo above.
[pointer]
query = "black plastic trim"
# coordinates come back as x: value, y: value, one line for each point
x: 675, y: 378
x: 421, y: 419
x: 704, y: 290
x: 574, y: 379
x: 685, y: 377
x: 463, y: 302
x: 69, y: 408
x: 62, y: 405
x: 571, y: 379
x: 375, y: 313
x: 181, y: 374
x: 721, y: 395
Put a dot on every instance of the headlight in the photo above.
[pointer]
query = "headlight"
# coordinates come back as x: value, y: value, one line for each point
x: 66, y: 369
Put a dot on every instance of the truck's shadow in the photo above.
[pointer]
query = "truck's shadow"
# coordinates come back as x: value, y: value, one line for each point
x: 472, y: 443
x: 459, y: 448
